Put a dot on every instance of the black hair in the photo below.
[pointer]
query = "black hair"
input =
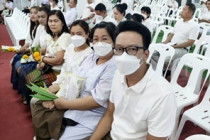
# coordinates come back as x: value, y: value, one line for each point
x: 59, y: 14
x: 135, y: 27
x: 108, y: 26
x: 121, y: 8
x: 100, y: 7
x: 146, y: 9
x: 45, y: 9
x: 33, y: 25
x: 83, y: 25
x: 137, y: 17
x: 75, y: 1
x: 191, y: 7
x: 56, y: 1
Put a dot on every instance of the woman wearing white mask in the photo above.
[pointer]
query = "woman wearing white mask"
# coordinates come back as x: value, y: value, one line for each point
x: 73, y: 57
x: 84, y: 113
x: 145, y: 12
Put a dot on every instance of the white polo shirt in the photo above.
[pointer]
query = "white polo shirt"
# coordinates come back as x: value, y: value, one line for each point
x: 184, y: 31
x: 205, y: 15
x: 147, y: 107
x: 149, y: 24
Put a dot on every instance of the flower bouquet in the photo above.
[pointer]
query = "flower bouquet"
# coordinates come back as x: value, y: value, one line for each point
x: 10, y: 48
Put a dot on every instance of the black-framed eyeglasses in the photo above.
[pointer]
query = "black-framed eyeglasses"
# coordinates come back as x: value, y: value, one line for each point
x: 132, y: 50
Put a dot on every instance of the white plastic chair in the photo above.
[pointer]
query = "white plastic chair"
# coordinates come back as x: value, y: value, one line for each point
x: 166, y: 54
x: 189, y: 94
x: 166, y: 31
x: 198, y: 137
x: 199, y: 115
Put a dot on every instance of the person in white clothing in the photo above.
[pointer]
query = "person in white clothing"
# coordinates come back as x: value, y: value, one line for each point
x: 142, y: 104
x: 8, y: 6
x: 53, y: 5
x: 172, y: 4
x: 119, y: 12
x: 145, y: 12
x: 205, y: 16
x: 30, y: 4
x: 88, y: 12
x: 101, y: 14
x: 71, y: 14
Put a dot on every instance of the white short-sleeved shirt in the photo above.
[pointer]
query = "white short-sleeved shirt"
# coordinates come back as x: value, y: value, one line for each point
x: 97, y: 85
x: 55, y: 46
x: 29, y: 38
x: 87, y: 12
x: 54, y: 8
x: 40, y: 38
x: 147, y: 107
x: 108, y: 19
x: 67, y: 82
x: 184, y: 31
x: 173, y: 4
x: 148, y: 23
x: 70, y: 16
x: 205, y: 15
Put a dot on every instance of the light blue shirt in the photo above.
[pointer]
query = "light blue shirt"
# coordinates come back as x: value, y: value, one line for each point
x: 98, y: 85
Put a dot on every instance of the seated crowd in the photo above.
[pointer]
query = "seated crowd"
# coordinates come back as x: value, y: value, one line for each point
x: 103, y: 81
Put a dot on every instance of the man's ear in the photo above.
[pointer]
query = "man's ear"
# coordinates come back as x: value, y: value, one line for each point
x: 146, y: 54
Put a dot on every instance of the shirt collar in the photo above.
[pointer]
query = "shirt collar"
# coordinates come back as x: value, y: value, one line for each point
x: 139, y: 86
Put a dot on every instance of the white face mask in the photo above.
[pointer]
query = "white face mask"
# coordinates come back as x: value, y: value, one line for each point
x: 127, y: 64
x: 102, y: 48
x: 144, y: 15
x: 98, y: 17
x: 78, y: 40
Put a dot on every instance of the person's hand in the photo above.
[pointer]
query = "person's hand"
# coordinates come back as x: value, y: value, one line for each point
x: 85, y: 19
x: 54, y: 88
x: 21, y: 50
x: 48, y: 104
x: 40, y: 66
x: 60, y: 103
x: 91, y: 9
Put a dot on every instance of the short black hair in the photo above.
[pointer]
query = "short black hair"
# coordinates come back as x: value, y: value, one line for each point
x: 56, y: 1
x: 100, y: 7
x: 191, y: 7
x: 108, y: 26
x: 45, y: 9
x: 75, y: 1
x: 121, y: 8
x: 146, y: 9
x: 60, y: 15
x: 135, y: 27
x: 137, y: 17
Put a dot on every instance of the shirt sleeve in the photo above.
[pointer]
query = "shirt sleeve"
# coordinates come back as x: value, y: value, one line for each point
x: 161, y: 119
x: 101, y: 92
x: 38, y: 34
x: 64, y: 42
x: 194, y: 32
x: 28, y: 39
x: 70, y: 17
x: 113, y: 92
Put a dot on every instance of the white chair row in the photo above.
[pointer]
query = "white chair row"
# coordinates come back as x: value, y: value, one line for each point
x: 18, y: 26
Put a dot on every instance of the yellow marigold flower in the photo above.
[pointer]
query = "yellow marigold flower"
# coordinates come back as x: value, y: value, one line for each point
x: 37, y: 58
x: 25, y: 56
x: 36, y: 54
x: 10, y: 49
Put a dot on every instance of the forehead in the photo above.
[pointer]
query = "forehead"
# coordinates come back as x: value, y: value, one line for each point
x: 129, y: 38
x: 77, y: 28
x: 53, y: 17
x: 41, y: 13
x: 185, y: 7
x: 101, y: 32
x: 115, y: 10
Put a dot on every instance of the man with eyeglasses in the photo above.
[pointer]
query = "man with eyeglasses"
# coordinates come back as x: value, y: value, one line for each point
x: 142, y: 104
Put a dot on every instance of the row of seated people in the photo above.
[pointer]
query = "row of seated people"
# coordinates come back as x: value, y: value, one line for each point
x: 133, y: 90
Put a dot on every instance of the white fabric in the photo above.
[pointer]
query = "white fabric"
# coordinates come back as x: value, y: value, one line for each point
x: 40, y: 38
x: 70, y: 16
x: 72, y: 60
x: 45, y: 1
x: 98, y: 85
x: 129, y: 4
x: 29, y: 39
x: 54, y: 8
x: 205, y: 15
x: 184, y: 31
x: 87, y: 12
x: 173, y: 4
x: 148, y: 23
x: 54, y: 46
x: 108, y: 19
x: 9, y: 4
x: 147, y: 107
x: 32, y: 3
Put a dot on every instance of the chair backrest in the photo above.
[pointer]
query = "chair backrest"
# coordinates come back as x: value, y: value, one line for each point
x: 198, y: 137
x: 199, y: 64
x: 166, y: 31
x: 165, y: 51
x: 205, y: 29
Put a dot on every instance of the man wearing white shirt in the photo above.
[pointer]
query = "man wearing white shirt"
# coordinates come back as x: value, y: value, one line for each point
x: 71, y: 14
x: 142, y: 104
x: 145, y: 12
x: 101, y: 14
x: 53, y: 5
x: 88, y: 14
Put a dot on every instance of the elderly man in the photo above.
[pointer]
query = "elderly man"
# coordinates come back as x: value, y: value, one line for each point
x: 142, y: 104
